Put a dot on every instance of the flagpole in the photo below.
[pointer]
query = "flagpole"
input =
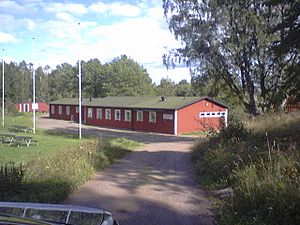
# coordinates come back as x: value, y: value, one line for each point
x: 79, y: 85
x: 33, y: 84
x: 3, y: 106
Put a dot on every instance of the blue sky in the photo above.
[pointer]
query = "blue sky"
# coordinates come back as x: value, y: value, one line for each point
x: 108, y: 29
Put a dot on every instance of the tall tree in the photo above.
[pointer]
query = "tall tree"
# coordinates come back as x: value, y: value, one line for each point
x: 95, y: 78
x: 183, y: 88
x: 127, y: 78
x: 166, y: 87
x: 289, y: 30
x: 232, y: 39
x: 63, y: 82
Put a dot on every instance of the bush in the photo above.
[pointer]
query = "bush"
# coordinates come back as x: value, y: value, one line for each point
x: 52, y: 178
x: 264, y: 175
x: 11, y: 178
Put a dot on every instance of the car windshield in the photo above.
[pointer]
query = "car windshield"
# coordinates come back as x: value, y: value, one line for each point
x: 59, y: 214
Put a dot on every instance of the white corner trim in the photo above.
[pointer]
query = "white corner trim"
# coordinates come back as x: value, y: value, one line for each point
x: 175, y: 122
x: 226, y: 114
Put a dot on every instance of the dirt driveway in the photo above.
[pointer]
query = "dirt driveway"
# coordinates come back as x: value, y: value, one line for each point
x: 154, y: 185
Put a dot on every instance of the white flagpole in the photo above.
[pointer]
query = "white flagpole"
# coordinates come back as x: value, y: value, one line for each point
x: 3, y: 106
x: 33, y: 84
x: 79, y: 84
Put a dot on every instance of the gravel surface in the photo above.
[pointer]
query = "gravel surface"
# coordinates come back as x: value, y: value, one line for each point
x: 154, y: 185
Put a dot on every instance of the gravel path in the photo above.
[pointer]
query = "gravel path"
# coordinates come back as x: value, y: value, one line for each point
x: 154, y: 185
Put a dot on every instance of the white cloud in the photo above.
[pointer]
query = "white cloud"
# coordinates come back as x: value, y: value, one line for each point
x: 29, y: 24
x: 11, y: 7
x: 140, y: 38
x: 73, y: 8
x: 115, y: 9
x: 65, y: 16
x: 6, y: 38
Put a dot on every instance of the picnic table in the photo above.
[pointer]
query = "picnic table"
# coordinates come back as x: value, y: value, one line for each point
x: 6, y: 138
x: 22, y: 140
x: 22, y: 129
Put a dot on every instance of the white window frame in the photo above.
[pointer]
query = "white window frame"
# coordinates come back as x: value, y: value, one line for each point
x: 150, y: 117
x: 117, y: 111
x: 99, y: 113
x: 52, y: 109
x: 68, y: 110
x: 128, y: 119
x: 90, y: 113
x: 141, y: 117
x: 60, y: 110
x: 77, y: 109
x: 108, y: 114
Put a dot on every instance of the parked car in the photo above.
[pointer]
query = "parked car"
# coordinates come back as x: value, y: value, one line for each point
x: 39, y: 213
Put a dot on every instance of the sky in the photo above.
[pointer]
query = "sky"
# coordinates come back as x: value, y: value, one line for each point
x: 65, y: 31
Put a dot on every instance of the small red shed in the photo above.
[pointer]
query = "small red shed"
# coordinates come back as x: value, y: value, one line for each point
x: 27, y: 107
x: 170, y: 115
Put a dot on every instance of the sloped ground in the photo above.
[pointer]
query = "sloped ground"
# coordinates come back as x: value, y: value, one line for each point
x: 154, y: 185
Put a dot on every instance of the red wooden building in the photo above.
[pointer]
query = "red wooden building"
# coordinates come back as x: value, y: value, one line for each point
x: 27, y: 107
x: 171, y: 115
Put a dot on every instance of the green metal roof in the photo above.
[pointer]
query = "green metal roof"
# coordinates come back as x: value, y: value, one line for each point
x: 153, y: 102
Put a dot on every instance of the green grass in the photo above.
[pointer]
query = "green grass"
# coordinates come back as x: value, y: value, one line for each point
x: 259, y: 159
x: 48, y: 142
x: 60, y: 164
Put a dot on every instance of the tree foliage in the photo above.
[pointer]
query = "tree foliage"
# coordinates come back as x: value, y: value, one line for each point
x: 125, y: 77
x: 233, y: 40
x: 122, y: 76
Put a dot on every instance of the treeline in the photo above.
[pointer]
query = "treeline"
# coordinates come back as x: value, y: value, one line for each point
x: 120, y: 77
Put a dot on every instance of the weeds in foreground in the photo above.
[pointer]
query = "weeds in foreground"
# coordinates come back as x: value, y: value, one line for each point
x: 51, y: 178
x: 265, y: 175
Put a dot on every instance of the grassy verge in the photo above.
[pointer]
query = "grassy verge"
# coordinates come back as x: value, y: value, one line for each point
x: 260, y: 161
x: 52, y: 170
x: 50, y: 178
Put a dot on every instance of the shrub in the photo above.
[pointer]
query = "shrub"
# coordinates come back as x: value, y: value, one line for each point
x: 53, y: 177
x: 11, y: 178
x: 264, y: 175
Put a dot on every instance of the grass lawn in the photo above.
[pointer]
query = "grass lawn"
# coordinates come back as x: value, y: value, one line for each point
x: 60, y: 164
x: 48, y: 142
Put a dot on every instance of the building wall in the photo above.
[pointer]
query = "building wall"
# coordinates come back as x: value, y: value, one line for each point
x: 27, y: 107
x: 161, y: 125
x: 73, y: 116
x: 105, y: 122
x: 189, y: 119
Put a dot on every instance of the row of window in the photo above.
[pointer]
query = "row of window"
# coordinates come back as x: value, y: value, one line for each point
x: 212, y: 114
x: 117, y: 117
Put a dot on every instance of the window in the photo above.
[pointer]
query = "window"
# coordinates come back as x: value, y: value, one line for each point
x: 77, y: 109
x: 59, y: 109
x: 139, y: 116
x: 67, y: 110
x: 90, y: 112
x: 117, y: 114
x: 99, y: 113
x: 108, y: 114
x: 127, y: 115
x: 211, y: 114
x: 152, y: 117
x: 52, y: 109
